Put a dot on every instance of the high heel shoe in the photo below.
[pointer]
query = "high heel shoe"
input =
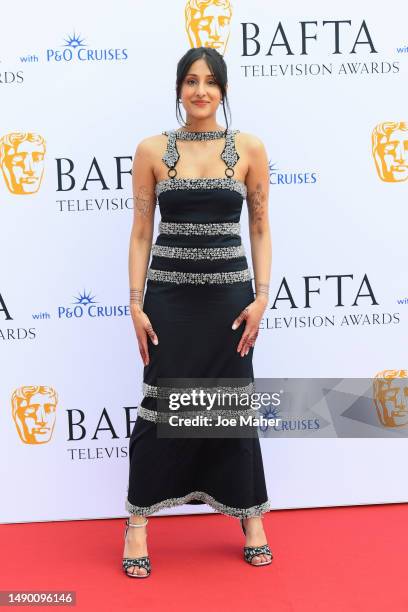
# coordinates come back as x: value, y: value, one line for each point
x: 143, y: 562
x: 253, y: 551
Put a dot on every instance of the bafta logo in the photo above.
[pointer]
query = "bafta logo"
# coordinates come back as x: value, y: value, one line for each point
x: 208, y: 23
x: 391, y: 397
x: 22, y: 161
x: 390, y: 151
x: 34, y: 413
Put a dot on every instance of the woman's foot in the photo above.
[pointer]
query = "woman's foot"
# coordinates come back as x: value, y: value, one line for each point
x: 136, y: 543
x: 255, y: 536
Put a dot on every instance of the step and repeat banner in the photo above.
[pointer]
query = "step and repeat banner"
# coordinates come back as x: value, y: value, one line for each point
x: 323, y: 86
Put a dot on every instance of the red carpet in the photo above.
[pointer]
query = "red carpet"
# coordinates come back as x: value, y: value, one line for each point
x: 326, y: 560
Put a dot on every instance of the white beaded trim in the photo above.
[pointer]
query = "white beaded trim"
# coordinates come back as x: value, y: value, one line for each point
x: 201, y: 183
x: 164, y: 392
x: 208, y: 135
x: 198, y: 278
x: 198, y: 252
x: 205, y: 498
x: 229, y: 154
x: 210, y: 229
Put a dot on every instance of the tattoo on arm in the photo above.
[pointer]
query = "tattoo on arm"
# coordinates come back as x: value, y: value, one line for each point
x: 136, y: 296
x: 144, y: 200
x: 255, y: 201
x: 263, y: 288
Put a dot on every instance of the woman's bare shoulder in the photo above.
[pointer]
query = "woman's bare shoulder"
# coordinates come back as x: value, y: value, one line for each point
x: 151, y: 144
x: 251, y: 142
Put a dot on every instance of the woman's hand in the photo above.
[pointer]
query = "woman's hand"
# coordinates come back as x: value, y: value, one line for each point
x: 252, y: 314
x: 143, y: 328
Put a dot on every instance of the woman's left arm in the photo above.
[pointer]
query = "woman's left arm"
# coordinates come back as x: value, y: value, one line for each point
x: 257, y: 182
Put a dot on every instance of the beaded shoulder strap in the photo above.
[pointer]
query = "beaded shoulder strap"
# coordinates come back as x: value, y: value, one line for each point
x: 171, y: 155
x: 229, y: 154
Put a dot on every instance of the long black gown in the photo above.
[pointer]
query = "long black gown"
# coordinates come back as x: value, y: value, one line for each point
x: 198, y: 281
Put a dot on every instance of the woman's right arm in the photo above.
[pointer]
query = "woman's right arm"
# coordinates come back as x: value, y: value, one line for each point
x: 144, y: 204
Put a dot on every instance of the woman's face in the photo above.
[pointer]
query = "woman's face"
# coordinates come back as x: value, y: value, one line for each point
x: 200, y: 93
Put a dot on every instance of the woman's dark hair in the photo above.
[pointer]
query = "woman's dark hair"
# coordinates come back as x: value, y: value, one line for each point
x: 218, y: 69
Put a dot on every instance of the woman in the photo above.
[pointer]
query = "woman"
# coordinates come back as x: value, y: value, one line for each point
x: 198, y: 317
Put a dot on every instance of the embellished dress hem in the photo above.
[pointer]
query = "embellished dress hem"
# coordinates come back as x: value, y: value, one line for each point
x: 239, y: 513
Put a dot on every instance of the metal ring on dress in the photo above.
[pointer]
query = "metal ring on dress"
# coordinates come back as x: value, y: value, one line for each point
x: 231, y: 170
x: 172, y: 170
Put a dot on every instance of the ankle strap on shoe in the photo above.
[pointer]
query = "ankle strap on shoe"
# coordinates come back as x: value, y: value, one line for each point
x: 138, y: 525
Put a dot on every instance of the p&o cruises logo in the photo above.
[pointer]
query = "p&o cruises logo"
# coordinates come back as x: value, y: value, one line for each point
x: 85, y: 305
x: 76, y: 48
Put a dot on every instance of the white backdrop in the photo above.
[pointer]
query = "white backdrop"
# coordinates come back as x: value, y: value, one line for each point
x: 64, y: 246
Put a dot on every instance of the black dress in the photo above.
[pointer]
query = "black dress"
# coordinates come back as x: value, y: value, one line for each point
x: 198, y: 281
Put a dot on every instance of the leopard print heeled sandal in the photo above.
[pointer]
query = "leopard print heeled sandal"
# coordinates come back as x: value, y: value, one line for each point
x: 142, y: 562
x: 253, y: 551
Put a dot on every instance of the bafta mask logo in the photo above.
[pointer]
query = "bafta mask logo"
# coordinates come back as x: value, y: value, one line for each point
x: 208, y: 23
x: 390, y: 151
x: 391, y: 397
x: 34, y: 413
x: 22, y: 161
